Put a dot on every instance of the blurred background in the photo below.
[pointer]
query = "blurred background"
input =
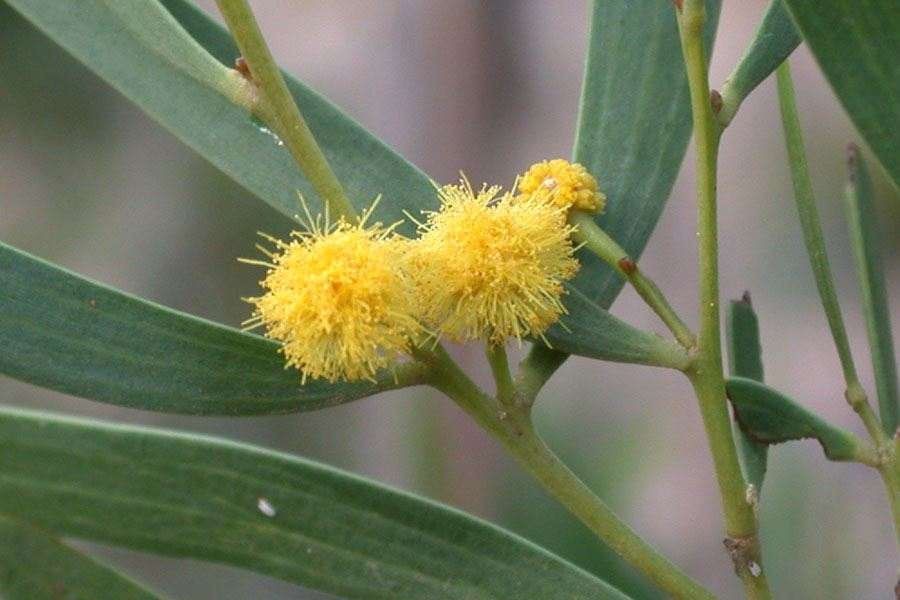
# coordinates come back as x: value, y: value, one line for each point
x: 88, y: 181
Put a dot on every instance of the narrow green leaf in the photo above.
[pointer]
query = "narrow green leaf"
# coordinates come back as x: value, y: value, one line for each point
x: 37, y: 566
x: 67, y: 333
x: 745, y: 360
x: 861, y: 219
x: 199, y: 497
x: 742, y: 332
x: 140, y: 49
x: 774, y: 40
x: 769, y: 417
x: 810, y: 223
x: 857, y: 42
x: 591, y: 331
x: 633, y: 126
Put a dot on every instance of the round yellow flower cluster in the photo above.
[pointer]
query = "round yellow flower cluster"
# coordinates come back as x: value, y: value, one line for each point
x: 336, y: 301
x: 347, y: 300
x: 565, y: 184
x: 490, y: 267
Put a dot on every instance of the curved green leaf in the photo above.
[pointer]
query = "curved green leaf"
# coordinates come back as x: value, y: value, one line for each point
x: 864, y: 238
x: 67, y: 333
x: 36, y: 566
x: 857, y: 42
x: 745, y: 360
x: 769, y: 417
x: 633, y: 125
x: 591, y: 331
x: 774, y: 40
x: 183, y: 495
x: 141, y: 50
x: 633, y: 128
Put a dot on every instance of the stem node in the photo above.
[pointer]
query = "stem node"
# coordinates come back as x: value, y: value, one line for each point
x: 274, y: 103
x: 715, y: 101
x: 241, y: 66
x: 744, y: 553
x: 627, y: 265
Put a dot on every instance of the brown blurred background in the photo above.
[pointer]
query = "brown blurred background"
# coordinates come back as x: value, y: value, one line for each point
x: 88, y: 181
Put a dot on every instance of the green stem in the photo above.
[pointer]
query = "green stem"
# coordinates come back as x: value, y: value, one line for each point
x: 410, y: 374
x: 288, y: 122
x: 815, y: 247
x: 512, y: 426
x: 706, y: 375
x: 536, y: 369
x: 600, y: 243
x: 499, y: 361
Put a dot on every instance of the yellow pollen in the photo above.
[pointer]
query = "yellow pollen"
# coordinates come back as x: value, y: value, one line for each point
x: 562, y: 183
x: 489, y: 267
x: 337, y: 300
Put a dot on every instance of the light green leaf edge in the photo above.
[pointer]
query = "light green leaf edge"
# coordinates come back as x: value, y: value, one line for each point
x: 199, y: 497
x: 774, y: 40
x: 36, y: 566
x: 769, y: 417
x: 865, y: 240
x: 745, y: 360
x: 64, y: 332
x: 856, y: 43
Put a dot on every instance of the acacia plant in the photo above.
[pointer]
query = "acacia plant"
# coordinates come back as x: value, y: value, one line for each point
x: 365, y: 293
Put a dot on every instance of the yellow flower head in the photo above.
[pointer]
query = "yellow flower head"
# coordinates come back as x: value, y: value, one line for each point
x: 565, y: 184
x: 336, y: 299
x: 492, y: 268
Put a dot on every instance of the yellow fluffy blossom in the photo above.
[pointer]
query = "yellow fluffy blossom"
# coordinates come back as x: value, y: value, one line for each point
x: 565, y: 184
x: 491, y: 268
x: 336, y: 300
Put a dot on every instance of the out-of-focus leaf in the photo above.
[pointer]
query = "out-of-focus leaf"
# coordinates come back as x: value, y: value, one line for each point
x: 775, y: 39
x: 633, y: 126
x: 140, y: 49
x: 769, y: 417
x: 860, y: 204
x: 810, y: 223
x: 183, y: 495
x: 36, y: 566
x: 67, y: 333
x: 857, y: 42
x: 745, y: 360
x: 591, y: 331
